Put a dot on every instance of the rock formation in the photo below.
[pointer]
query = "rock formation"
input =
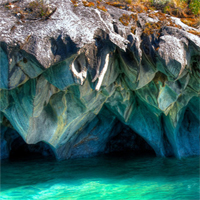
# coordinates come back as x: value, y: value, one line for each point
x: 76, y: 80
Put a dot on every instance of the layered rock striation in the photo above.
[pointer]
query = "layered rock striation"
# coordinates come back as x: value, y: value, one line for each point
x: 78, y: 79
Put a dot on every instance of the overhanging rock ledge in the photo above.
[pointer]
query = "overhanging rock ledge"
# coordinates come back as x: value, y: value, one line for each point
x: 75, y: 80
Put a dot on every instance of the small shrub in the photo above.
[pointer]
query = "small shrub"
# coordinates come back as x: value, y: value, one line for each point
x: 195, y: 7
x: 39, y: 10
x: 125, y: 19
x: 34, y: 10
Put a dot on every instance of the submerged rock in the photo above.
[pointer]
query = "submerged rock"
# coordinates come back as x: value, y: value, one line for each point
x: 75, y: 80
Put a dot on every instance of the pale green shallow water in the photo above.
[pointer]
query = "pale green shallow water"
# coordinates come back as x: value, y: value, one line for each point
x: 105, y: 177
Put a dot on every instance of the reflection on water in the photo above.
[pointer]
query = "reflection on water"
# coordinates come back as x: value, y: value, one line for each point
x: 105, y: 177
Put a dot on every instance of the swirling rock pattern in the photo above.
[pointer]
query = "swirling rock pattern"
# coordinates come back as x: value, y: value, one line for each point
x: 71, y: 81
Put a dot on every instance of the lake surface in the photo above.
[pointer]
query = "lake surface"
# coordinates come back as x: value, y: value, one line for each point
x: 104, y: 177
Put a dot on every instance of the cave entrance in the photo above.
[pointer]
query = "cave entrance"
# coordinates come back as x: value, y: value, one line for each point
x: 20, y: 150
x: 128, y: 143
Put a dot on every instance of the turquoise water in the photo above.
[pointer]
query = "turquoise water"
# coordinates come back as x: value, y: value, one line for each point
x: 105, y: 177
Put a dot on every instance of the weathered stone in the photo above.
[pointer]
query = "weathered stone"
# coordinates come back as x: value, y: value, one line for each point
x: 74, y: 81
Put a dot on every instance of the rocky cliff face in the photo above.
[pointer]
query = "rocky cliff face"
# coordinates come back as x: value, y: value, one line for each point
x: 80, y: 78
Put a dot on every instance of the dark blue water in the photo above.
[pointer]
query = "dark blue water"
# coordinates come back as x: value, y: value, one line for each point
x: 105, y: 177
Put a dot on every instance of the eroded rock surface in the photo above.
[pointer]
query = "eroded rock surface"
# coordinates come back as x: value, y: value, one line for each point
x: 71, y: 81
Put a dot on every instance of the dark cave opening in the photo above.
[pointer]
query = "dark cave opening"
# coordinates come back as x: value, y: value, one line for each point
x: 121, y: 141
x: 13, y: 146
x: 20, y: 150
x: 128, y: 143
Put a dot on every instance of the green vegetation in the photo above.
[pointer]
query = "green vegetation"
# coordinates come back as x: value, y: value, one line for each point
x: 38, y: 9
x: 187, y: 10
x: 166, y: 6
x: 34, y: 10
x: 195, y: 6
